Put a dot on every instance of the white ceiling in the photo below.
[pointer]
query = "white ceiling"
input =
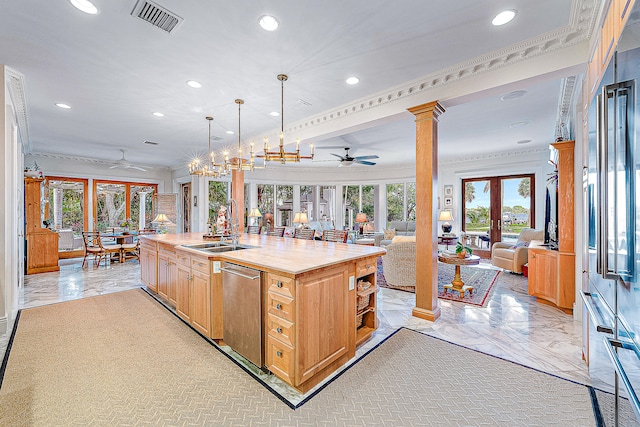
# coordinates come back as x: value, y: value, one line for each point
x: 115, y: 70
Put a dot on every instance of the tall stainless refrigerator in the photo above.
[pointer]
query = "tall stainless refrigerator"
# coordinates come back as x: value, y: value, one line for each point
x: 612, y: 218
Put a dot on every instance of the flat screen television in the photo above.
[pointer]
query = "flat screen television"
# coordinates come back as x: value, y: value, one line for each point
x: 551, y: 216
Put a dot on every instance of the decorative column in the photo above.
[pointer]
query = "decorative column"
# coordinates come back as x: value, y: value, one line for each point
x: 57, y: 208
x: 143, y: 206
x: 427, y: 305
x: 237, y: 193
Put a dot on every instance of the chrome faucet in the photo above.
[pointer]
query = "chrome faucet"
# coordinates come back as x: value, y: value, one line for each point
x: 234, y: 222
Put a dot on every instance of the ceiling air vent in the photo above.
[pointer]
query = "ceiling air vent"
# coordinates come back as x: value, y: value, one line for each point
x: 150, y: 142
x: 156, y: 15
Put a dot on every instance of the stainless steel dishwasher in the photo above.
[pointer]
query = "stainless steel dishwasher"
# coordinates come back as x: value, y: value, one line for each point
x: 242, y: 311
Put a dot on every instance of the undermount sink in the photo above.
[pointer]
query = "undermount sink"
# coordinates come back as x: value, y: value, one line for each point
x: 215, y: 247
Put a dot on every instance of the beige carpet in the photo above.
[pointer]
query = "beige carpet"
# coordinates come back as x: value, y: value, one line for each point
x: 122, y: 359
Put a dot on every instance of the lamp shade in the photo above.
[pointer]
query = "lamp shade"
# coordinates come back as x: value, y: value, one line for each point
x: 361, y: 217
x: 368, y: 228
x: 255, y: 213
x: 301, y: 218
x: 161, y: 218
x: 445, y: 216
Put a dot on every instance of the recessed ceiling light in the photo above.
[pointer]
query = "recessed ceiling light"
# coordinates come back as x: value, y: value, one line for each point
x: 230, y: 132
x: 194, y: 84
x: 268, y: 23
x: 158, y: 114
x: 504, y: 17
x: 353, y: 80
x: 85, y: 6
x: 65, y: 106
x: 523, y: 141
x: 513, y: 95
x: 518, y: 124
x: 274, y: 113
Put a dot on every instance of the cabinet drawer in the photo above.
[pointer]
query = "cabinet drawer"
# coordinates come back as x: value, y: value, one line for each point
x: 148, y: 245
x: 366, y: 266
x: 166, y: 250
x: 281, y: 285
x: 201, y: 265
x: 183, y: 259
x: 280, y: 306
x: 280, y: 359
x: 281, y: 330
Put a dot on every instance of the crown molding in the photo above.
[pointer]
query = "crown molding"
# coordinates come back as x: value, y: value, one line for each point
x: 15, y: 86
x: 86, y: 160
x: 505, y: 155
x: 565, y: 103
x: 582, y: 21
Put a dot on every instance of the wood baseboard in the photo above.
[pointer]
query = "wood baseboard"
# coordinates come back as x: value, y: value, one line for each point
x: 78, y: 253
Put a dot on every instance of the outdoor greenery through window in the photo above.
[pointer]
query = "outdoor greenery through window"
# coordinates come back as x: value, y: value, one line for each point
x: 401, y: 202
x: 67, y: 203
x: 218, y: 196
x: 265, y: 203
x: 118, y: 205
x: 284, y: 203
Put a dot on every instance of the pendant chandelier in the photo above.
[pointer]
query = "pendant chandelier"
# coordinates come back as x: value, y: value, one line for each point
x: 281, y: 155
x: 209, y: 168
x: 239, y: 163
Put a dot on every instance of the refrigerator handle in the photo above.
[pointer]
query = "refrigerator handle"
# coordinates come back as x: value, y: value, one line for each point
x: 610, y: 343
x: 599, y: 313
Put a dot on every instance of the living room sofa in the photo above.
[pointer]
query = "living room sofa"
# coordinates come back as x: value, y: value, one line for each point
x: 512, y: 256
x: 398, y: 228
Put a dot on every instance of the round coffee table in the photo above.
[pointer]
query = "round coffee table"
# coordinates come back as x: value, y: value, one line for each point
x: 457, y: 284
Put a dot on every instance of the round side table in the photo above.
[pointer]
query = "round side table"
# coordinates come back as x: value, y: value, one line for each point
x: 457, y: 284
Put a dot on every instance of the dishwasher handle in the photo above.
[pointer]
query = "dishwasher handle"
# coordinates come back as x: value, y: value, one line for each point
x: 237, y: 273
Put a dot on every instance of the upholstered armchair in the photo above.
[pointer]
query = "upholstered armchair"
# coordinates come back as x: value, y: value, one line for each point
x: 399, y: 263
x: 513, y: 256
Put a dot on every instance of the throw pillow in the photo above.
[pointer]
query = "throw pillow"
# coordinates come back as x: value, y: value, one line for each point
x: 400, y: 239
x: 389, y: 234
x: 520, y: 245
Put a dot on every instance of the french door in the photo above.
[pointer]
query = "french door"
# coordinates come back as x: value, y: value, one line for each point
x: 497, y: 208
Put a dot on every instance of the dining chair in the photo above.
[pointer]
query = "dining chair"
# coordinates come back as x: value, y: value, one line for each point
x: 335, y: 236
x: 304, y: 233
x: 93, y: 245
x: 276, y: 232
x: 254, y: 229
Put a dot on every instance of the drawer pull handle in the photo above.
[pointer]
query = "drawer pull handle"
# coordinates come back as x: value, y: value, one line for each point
x: 279, y: 284
x: 279, y: 353
x: 279, y: 330
x: 278, y: 306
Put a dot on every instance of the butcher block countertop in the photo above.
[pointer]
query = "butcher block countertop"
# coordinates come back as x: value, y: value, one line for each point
x: 275, y: 254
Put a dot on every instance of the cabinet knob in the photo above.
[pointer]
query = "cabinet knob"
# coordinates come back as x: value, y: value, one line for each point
x: 367, y: 266
x: 278, y: 306
x: 279, y: 353
x: 279, y: 330
x: 279, y: 284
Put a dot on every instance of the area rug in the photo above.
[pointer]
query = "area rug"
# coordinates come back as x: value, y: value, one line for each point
x: 122, y: 359
x: 482, y: 280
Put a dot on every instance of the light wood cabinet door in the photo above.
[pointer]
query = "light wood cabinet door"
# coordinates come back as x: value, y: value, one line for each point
x: 200, y: 309
x: 148, y: 269
x: 183, y: 285
x: 163, y: 276
x: 322, y: 321
x: 172, y: 269
x: 543, y: 274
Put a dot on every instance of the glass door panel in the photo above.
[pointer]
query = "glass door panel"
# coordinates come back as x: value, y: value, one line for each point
x: 111, y: 206
x: 477, y: 211
x: 141, y: 209
x: 515, y: 200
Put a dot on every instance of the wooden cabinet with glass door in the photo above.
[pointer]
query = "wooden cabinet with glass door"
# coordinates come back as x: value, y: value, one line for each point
x: 42, y: 243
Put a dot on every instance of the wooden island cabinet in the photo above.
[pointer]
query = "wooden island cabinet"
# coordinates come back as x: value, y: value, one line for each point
x: 311, y: 322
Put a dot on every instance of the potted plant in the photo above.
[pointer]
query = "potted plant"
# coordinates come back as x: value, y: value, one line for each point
x: 126, y: 224
x: 462, y: 250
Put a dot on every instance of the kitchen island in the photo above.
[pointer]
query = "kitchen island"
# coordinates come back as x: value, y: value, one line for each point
x: 316, y: 305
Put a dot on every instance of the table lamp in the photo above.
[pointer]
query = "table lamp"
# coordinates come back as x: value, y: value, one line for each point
x: 163, y: 220
x: 301, y: 219
x: 445, y: 215
x: 255, y: 213
x: 361, y: 218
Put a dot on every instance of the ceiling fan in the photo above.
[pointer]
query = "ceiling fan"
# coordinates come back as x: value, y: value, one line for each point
x: 348, y: 160
x: 126, y: 164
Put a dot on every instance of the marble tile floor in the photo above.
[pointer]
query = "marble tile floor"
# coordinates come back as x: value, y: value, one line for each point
x: 512, y: 325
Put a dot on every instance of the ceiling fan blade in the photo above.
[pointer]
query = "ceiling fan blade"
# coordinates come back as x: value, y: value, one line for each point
x: 114, y: 166
x: 364, y: 162
x: 340, y: 157
x: 138, y: 168
x: 373, y: 156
